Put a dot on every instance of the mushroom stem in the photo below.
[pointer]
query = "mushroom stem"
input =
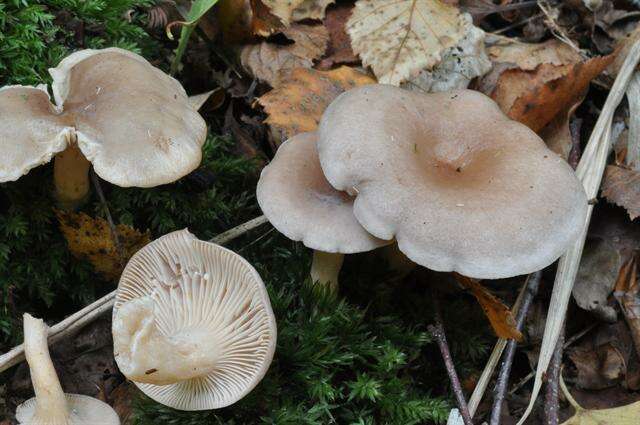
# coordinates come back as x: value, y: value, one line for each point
x: 325, y: 268
x: 51, y: 403
x: 71, y: 177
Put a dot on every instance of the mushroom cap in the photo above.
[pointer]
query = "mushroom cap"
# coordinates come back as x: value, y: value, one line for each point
x: 298, y: 200
x: 459, y: 185
x: 84, y: 410
x: 30, y: 133
x: 133, y: 122
x: 203, y: 290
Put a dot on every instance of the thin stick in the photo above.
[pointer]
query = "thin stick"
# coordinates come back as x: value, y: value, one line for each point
x: 551, y: 405
x: 503, y: 377
x: 112, y: 226
x: 80, y: 319
x: 437, y: 330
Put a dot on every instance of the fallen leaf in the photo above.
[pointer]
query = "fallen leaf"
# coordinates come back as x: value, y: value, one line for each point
x: 624, y: 415
x: 621, y: 185
x: 458, y: 67
x: 90, y: 239
x: 535, y: 97
x: 596, y: 278
x: 527, y: 56
x: 297, y: 10
x: 627, y: 292
x: 235, y: 18
x: 499, y: 315
x: 339, y: 50
x: 558, y: 135
x: 400, y: 38
x: 269, y: 61
x: 263, y: 21
x: 297, y: 104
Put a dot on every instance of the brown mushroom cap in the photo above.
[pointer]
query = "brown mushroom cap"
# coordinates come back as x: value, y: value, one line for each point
x: 29, y: 135
x: 134, y: 122
x: 457, y: 183
x: 298, y: 201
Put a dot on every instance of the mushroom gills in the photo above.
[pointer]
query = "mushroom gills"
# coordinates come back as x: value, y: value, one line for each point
x: 148, y: 355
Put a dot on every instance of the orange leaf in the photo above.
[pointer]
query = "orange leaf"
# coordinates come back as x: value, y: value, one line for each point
x: 499, y: 315
x: 301, y: 97
x: 535, y: 97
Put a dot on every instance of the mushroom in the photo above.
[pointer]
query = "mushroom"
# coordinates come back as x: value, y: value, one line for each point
x: 296, y: 198
x: 114, y: 110
x: 192, y: 323
x: 458, y: 184
x: 51, y: 405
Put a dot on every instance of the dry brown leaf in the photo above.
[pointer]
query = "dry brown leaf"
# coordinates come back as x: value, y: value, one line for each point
x: 499, y: 315
x: 621, y: 186
x: 527, y: 56
x: 557, y: 134
x: 399, y: 38
x: 268, y: 61
x: 297, y: 10
x: 263, y: 21
x: 90, y: 239
x: 627, y: 292
x: 297, y: 104
x: 535, y: 97
x: 339, y: 50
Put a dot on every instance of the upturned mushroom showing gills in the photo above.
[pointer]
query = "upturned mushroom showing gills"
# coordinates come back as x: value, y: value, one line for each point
x: 114, y: 110
x: 192, y: 323
x: 296, y: 198
x: 51, y: 406
x: 458, y: 184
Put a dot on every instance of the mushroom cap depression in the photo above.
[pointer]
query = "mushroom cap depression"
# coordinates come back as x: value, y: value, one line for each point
x: 460, y: 186
x: 132, y: 121
x: 84, y: 410
x: 193, y: 325
x: 298, y: 200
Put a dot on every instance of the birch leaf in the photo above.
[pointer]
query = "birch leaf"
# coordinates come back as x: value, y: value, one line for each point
x: 399, y: 38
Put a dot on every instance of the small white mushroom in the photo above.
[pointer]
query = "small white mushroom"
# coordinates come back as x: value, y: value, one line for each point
x: 51, y: 406
x: 298, y: 200
x: 192, y: 323
x: 459, y: 185
x: 113, y: 109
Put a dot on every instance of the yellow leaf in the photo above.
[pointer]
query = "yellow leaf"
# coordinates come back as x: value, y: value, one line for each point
x: 623, y: 415
x: 399, y: 38
x: 499, y: 315
x: 298, y: 102
x: 90, y: 239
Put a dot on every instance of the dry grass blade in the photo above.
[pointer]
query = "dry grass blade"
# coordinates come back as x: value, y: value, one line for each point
x: 589, y: 171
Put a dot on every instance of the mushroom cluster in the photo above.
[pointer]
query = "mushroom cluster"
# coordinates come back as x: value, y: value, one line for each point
x: 192, y: 323
x: 114, y: 110
x: 455, y: 182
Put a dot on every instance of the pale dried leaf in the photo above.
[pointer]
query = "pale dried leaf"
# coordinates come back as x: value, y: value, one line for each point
x: 268, y: 61
x: 296, y: 10
x: 399, y: 38
x: 621, y: 186
x: 459, y: 66
x: 527, y: 56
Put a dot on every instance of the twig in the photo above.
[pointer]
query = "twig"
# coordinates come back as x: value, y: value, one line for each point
x: 437, y: 330
x: 517, y: 24
x: 80, y: 319
x: 555, y: 28
x: 114, y: 231
x: 551, y: 405
x: 507, y: 360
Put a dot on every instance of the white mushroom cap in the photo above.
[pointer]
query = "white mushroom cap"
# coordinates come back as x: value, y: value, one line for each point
x: 298, y: 200
x: 84, y: 410
x: 51, y: 406
x: 193, y: 325
x: 134, y: 122
x: 457, y: 183
x: 30, y: 134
